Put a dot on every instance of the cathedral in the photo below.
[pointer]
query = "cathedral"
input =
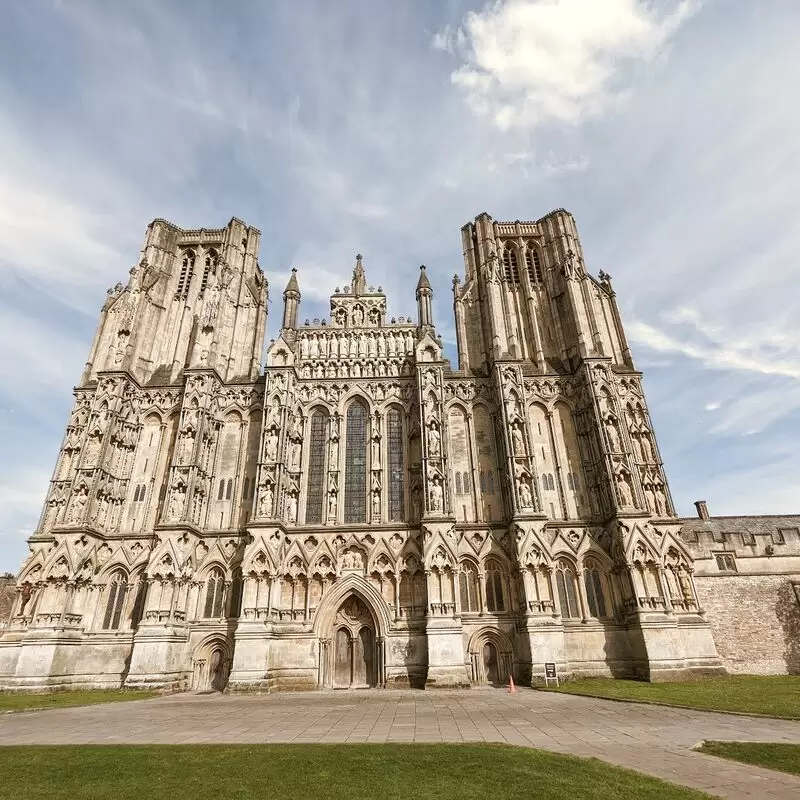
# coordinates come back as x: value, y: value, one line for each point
x: 359, y: 511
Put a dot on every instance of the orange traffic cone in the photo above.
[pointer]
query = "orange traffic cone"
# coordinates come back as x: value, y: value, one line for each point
x: 511, y: 688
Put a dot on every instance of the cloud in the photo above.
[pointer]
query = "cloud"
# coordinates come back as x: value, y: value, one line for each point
x: 527, y: 62
x: 715, y: 350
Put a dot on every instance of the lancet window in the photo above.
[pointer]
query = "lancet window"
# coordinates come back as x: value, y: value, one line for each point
x: 510, y: 264
x: 394, y: 423
x: 215, y: 592
x: 209, y: 266
x: 567, y: 593
x: 594, y: 590
x: 495, y: 600
x: 533, y: 263
x: 115, y: 604
x: 355, y: 476
x: 315, y: 498
x: 468, y: 587
x: 186, y: 273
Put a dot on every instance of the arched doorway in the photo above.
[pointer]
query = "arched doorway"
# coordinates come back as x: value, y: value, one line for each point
x: 211, y: 666
x: 491, y: 657
x: 354, y: 646
x: 490, y: 666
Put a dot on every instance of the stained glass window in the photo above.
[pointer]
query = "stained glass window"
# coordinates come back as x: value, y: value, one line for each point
x: 315, y: 499
x: 394, y: 422
x: 355, y: 475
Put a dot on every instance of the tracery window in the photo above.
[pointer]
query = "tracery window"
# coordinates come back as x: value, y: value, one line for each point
x: 186, y: 273
x: 468, y: 587
x: 494, y: 587
x: 315, y: 497
x: 394, y: 423
x: 117, y: 591
x: 510, y: 264
x: 594, y: 590
x: 567, y: 594
x: 355, y: 474
x: 215, y: 592
x: 533, y: 263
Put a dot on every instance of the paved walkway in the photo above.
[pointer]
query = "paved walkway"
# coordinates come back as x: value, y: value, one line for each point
x: 651, y: 739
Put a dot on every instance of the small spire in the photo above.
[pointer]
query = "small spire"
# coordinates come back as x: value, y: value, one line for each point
x: 292, y: 285
x: 359, y: 277
x: 423, y: 282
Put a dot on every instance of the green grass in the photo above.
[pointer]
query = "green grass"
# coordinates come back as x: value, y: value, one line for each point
x: 778, y: 755
x: 772, y: 695
x: 333, y: 772
x: 23, y: 702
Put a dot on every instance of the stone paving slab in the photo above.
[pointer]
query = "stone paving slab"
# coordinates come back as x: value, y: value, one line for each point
x: 657, y: 740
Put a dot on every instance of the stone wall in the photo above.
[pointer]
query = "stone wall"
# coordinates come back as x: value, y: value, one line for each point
x: 747, y: 576
x: 756, y: 622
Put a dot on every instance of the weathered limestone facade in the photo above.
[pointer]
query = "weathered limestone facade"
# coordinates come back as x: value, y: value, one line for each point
x: 360, y: 512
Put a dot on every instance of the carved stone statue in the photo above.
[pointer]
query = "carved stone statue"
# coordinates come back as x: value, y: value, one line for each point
x: 332, y: 507
x: 661, y: 501
x: 271, y: 448
x: 525, y: 496
x: 613, y: 436
x: 358, y: 317
x: 625, y: 494
x: 376, y: 506
x: 265, y: 502
x: 647, y: 447
x: 517, y: 440
x: 291, y: 508
x: 434, y: 442
x: 78, y: 505
x: 437, y: 496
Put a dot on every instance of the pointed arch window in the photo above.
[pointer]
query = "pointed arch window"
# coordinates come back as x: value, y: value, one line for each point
x: 209, y: 266
x: 510, y: 264
x: 495, y: 600
x: 567, y: 594
x: 355, y: 470
x: 594, y: 590
x: 394, y: 430
x: 468, y: 586
x: 458, y: 483
x: 533, y: 263
x: 215, y: 591
x: 117, y: 591
x: 186, y: 274
x: 315, y: 496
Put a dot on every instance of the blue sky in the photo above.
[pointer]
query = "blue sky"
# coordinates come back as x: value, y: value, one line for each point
x: 669, y: 129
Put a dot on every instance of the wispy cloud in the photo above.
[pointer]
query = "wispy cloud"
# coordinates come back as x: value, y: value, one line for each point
x: 528, y: 62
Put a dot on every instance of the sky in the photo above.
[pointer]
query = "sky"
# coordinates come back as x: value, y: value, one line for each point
x: 668, y: 129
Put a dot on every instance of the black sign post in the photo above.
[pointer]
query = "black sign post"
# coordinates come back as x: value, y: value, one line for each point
x: 550, y: 673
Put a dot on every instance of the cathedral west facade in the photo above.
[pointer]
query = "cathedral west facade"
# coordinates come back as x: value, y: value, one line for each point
x: 360, y: 512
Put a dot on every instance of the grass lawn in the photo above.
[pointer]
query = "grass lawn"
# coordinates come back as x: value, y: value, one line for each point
x: 773, y: 695
x: 333, y: 772
x: 21, y: 702
x: 785, y: 757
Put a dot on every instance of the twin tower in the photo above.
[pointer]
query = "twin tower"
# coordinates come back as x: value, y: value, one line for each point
x: 360, y: 512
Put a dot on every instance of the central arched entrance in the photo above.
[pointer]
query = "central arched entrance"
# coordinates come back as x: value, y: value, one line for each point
x: 354, y: 646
